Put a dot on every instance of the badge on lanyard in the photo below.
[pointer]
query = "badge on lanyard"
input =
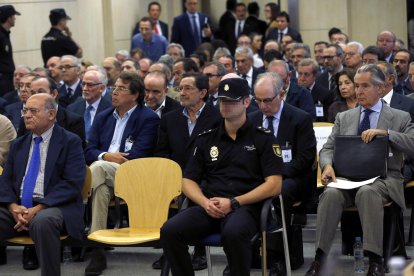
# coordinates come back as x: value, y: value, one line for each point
x: 128, y: 143
x: 319, y: 109
x: 286, y: 153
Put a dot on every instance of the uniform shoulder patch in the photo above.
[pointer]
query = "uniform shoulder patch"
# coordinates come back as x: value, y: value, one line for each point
x: 206, y: 132
x: 263, y: 129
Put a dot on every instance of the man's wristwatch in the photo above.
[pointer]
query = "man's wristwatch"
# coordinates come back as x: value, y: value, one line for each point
x: 234, y: 203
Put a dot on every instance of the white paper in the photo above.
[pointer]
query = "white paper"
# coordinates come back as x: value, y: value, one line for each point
x: 342, y: 183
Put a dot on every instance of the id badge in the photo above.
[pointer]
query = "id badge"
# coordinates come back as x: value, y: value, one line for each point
x: 286, y: 153
x: 319, y: 109
x: 128, y: 144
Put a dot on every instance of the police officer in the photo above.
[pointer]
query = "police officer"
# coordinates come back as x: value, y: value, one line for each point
x: 239, y: 169
x: 7, y: 20
x: 58, y: 41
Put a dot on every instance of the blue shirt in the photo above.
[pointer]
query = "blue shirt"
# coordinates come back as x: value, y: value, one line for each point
x: 154, y: 49
x: 373, y: 118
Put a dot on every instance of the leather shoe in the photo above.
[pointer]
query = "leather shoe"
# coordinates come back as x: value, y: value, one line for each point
x: 3, y: 255
x: 97, y: 264
x: 30, y: 261
x: 278, y: 268
x: 199, y: 262
x: 158, y: 263
x: 226, y: 271
x: 314, y: 269
x: 375, y: 269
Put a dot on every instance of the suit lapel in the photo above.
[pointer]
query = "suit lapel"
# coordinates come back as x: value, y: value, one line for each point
x: 283, y: 124
x: 22, y: 155
x: 385, y: 118
x: 53, y: 152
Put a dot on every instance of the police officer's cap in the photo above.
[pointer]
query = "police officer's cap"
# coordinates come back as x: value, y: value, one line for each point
x: 6, y: 11
x: 58, y: 14
x: 233, y: 88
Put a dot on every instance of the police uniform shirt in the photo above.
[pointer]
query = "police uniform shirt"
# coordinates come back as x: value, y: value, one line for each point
x: 233, y: 167
x: 6, y: 55
x: 56, y: 43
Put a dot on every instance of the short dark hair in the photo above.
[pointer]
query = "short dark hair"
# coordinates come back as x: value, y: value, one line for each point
x: 374, y: 50
x: 410, y: 56
x: 52, y: 83
x: 274, y: 10
x: 233, y: 62
x: 153, y: 3
x: 136, y: 84
x: 231, y: 4
x: 241, y: 4
x: 334, y: 30
x: 147, y: 19
x: 188, y: 64
x: 272, y: 55
x: 201, y: 81
x: 285, y: 15
x: 321, y: 42
x: 253, y: 8
x: 350, y: 73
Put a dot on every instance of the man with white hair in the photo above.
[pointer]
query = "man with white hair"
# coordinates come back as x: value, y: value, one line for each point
x: 71, y: 89
x: 353, y: 55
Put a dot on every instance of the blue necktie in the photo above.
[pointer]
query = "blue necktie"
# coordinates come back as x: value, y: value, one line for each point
x: 270, y: 124
x: 69, y: 90
x: 31, y: 175
x: 88, y: 120
x: 195, y: 30
x: 365, y: 124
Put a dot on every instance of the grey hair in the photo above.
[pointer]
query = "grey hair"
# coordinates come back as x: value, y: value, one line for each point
x: 377, y: 75
x: 103, y: 78
x: 389, y: 70
x: 221, y: 70
x: 220, y: 52
x: 279, y: 62
x: 25, y: 67
x: 277, y: 82
x: 75, y: 60
x: 244, y: 50
x: 50, y: 104
x: 179, y: 46
x: 310, y: 62
x: 359, y: 45
x: 305, y: 48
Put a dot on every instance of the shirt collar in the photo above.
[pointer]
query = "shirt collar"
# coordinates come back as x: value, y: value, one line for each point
x: 278, y: 113
x: 95, y: 104
x: 388, y: 97
x: 45, y: 135
x: 126, y: 115
x: 185, y: 112
x: 73, y: 86
x: 377, y: 107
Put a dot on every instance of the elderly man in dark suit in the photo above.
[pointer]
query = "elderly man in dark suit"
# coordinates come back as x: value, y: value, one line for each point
x: 42, y: 183
x: 71, y: 89
x: 191, y: 28
x: 245, y: 69
x: 370, y: 119
x: 126, y: 131
x: 294, y: 134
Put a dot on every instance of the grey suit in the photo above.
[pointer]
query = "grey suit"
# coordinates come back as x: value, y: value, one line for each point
x: 368, y: 199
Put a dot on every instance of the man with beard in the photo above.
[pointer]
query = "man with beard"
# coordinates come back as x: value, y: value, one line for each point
x: 401, y: 61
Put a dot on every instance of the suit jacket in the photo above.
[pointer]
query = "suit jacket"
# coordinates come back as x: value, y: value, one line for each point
x: 325, y: 97
x: 79, y: 106
x: 14, y: 113
x: 230, y: 36
x: 11, y: 97
x: 182, y: 32
x: 401, y: 141
x: 3, y: 104
x: 64, y: 176
x: 257, y: 25
x: 7, y: 135
x: 226, y: 18
x: 66, y: 119
x: 170, y: 105
x: 274, y: 34
x: 256, y: 72
x: 403, y: 103
x: 163, y: 25
x: 295, y: 128
x: 141, y: 130
x: 174, y: 141
x: 63, y: 98
x: 301, y: 98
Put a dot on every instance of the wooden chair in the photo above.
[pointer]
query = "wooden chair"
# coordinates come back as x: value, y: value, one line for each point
x: 148, y: 185
x: 86, y: 193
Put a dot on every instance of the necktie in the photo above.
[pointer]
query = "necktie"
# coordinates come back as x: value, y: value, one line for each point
x: 239, y: 29
x: 244, y: 76
x: 332, y: 84
x: 270, y: 124
x: 195, y: 30
x: 155, y: 29
x: 69, y: 90
x: 365, y: 124
x: 280, y: 36
x: 399, y: 88
x: 31, y: 175
x: 212, y: 100
x: 88, y: 120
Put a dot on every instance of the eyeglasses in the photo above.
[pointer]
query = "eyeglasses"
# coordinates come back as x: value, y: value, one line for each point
x: 329, y: 57
x: 120, y: 89
x: 209, y: 75
x: 66, y: 67
x: 186, y: 88
x: 23, y: 85
x: 90, y: 84
x: 350, y: 54
x: 266, y: 101
x: 32, y: 110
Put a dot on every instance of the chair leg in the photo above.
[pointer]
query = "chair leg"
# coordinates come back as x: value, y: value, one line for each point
x: 285, y: 238
x: 165, y: 269
x: 209, y: 265
x: 264, y: 254
x: 410, y: 233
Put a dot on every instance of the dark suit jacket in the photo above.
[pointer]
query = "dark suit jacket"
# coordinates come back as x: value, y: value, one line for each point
x: 66, y: 119
x: 141, y: 130
x: 257, y: 25
x: 3, y: 104
x: 230, y: 36
x: 274, y: 34
x: 11, y: 97
x: 403, y: 103
x: 174, y: 142
x: 170, y: 105
x: 164, y: 29
x: 79, y: 106
x: 64, y: 100
x: 296, y: 128
x: 226, y: 18
x: 255, y: 73
x: 14, y: 113
x: 301, y: 98
x: 183, y: 34
x: 325, y: 97
x: 64, y: 176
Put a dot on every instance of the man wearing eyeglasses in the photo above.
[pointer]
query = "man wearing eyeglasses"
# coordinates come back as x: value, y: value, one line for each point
x: 126, y: 131
x: 353, y: 55
x: 214, y: 71
x: 333, y: 58
x: 71, y: 89
x: 296, y: 141
x: 239, y: 169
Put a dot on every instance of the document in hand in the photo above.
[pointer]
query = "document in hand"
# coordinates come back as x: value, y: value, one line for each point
x: 342, y: 183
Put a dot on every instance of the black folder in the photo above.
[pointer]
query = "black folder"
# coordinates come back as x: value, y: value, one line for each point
x: 357, y: 161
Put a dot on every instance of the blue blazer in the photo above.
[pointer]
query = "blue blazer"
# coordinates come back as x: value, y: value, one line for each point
x: 182, y: 32
x: 301, y: 98
x: 141, y: 129
x: 13, y: 112
x: 64, y: 176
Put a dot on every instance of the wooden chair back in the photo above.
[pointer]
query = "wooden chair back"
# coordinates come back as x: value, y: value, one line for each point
x: 148, y: 185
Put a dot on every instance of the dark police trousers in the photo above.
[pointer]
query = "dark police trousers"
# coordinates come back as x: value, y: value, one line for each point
x: 193, y: 224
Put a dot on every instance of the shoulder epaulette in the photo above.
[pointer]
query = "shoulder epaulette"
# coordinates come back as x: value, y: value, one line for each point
x: 206, y: 132
x: 263, y: 129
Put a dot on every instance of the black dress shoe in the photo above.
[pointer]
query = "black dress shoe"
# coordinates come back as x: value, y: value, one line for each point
x: 97, y: 264
x: 314, y: 269
x: 158, y: 263
x: 226, y: 271
x: 375, y: 269
x: 30, y: 261
x: 3, y: 255
x: 278, y: 268
x: 199, y: 262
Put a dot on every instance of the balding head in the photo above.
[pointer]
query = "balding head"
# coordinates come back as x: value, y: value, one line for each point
x: 39, y: 113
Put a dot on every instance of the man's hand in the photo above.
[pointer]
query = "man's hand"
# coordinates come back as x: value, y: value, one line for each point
x: 369, y: 134
x: 18, y: 212
x: 67, y: 31
x: 207, y: 31
x: 31, y: 212
x: 222, y: 203
x: 117, y: 157
x: 212, y: 209
x: 328, y: 175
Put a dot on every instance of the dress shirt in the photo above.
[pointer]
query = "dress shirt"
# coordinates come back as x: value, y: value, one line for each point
x: 159, y: 109
x: 94, y: 108
x: 73, y: 87
x: 373, y: 118
x: 154, y: 48
x: 387, y: 98
x: 236, y: 27
x: 276, y: 119
x: 191, y: 124
x: 249, y: 77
